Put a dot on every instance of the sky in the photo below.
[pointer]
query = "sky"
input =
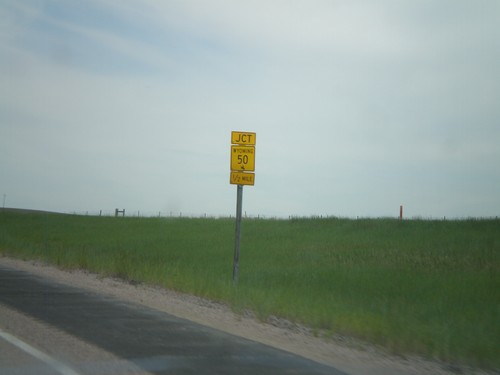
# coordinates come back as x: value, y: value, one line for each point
x: 359, y: 107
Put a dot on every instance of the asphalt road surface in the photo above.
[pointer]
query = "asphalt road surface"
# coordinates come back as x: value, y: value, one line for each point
x: 51, y: 328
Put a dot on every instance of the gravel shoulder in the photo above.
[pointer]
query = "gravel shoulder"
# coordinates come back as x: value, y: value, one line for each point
x: 348, y: 355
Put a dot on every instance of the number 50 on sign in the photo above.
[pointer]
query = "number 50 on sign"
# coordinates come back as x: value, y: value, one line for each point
x: 243, y: 158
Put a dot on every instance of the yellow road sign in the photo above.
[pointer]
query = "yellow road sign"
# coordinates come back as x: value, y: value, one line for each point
x: 242, y: 178
x: 243, y: 158
x: 243, y: 138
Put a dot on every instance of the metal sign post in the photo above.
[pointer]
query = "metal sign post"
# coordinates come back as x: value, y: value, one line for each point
x: 239, y: 205
x: 242, y: 162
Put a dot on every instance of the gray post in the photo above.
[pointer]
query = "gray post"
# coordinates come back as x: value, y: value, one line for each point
x: 239, y: 204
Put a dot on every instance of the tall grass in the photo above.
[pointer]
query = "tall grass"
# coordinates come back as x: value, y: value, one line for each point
x: 425, y: 287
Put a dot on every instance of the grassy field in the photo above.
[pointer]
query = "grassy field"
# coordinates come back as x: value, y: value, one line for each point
x: 418, y: 286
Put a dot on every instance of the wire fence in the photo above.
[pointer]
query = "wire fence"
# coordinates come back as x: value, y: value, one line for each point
x: 181, y: 214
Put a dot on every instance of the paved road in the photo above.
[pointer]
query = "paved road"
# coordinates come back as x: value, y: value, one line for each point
x: 141, y: 340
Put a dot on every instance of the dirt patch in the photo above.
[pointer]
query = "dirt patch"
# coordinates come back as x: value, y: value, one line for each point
x: 346, y: 354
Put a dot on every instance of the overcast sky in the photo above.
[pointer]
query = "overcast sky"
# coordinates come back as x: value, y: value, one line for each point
x: 359, y: 106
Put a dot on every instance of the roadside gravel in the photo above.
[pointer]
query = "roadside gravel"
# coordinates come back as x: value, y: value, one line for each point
x: 346, y: 354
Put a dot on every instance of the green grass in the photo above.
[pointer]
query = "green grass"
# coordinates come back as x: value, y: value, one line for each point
x: 425, y: 287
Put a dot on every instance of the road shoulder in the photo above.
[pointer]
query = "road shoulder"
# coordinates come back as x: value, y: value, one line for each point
x: 345, y: 354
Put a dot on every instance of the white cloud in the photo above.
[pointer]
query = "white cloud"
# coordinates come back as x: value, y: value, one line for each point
x: 358, y: 106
